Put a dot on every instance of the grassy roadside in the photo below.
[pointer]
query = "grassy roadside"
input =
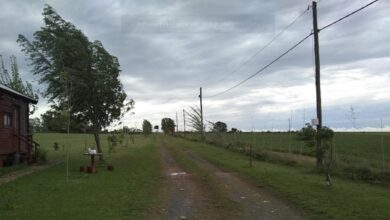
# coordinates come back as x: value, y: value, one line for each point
x: 220, y: 199
x: 305, y: 189
x: 5, y: 170
x: 126, y: 193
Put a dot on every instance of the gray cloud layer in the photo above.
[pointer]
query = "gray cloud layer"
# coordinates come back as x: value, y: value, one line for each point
x: 163, y: 67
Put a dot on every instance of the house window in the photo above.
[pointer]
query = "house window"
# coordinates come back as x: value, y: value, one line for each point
x: 6, y: 120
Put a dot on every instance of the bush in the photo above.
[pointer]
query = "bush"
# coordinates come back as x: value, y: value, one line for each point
x: 56, y: 146
x: 40, y: 155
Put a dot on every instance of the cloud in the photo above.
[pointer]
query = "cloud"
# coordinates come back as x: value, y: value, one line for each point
x: 162, y: 71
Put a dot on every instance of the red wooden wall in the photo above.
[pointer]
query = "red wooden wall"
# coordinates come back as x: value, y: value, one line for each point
x: 8, y: 143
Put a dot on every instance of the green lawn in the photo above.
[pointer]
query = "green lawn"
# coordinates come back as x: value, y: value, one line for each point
x: 133, y: 189
x: 125, y: 193
x: 304, y: 188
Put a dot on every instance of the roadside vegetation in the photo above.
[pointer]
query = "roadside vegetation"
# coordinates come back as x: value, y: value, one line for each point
x: 356, y: 155
x: 303, y: 186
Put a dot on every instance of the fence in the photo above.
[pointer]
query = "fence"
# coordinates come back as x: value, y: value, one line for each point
x: 358, y: 155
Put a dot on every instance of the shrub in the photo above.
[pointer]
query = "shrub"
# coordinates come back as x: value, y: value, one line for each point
x: 56, y: 146
x: 40, y: 155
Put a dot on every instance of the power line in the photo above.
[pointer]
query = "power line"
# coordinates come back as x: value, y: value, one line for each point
x: 261, y: 49
x: 286, y: 52
x: 263, y: 68
x: 346, y: 16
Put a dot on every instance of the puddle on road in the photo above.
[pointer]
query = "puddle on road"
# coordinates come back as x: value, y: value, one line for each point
x: 180, y: 173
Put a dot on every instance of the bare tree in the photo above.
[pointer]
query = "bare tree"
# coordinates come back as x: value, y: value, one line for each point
x: 352, y: 116
x: 194, y: 118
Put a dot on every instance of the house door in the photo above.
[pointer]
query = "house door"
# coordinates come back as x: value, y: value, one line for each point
x: 16, y: 127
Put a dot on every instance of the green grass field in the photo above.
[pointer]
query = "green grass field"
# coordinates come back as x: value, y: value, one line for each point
x: 354, y: 152
x: 306, y: 189
x: 125, y: 193
x: 134, y: 188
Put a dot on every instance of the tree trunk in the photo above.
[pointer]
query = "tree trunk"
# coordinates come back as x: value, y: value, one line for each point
x: 99, y: 148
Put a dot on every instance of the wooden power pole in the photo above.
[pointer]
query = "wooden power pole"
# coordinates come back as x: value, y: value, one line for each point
x: 317, y: 79
x: 201, y: 115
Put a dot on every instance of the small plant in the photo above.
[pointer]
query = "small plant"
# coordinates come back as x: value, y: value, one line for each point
x: 112, y: 142
x: 56, y: 146
x: 121, y: 138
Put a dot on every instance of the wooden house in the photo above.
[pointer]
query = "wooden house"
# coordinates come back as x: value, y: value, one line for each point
x: 16, y: 142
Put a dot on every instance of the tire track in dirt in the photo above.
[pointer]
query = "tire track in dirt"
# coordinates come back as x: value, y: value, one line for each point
x: 185, y: 196
x: 256, y: 202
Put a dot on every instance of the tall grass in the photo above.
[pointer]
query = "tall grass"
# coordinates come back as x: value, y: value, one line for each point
x: 357, y: 155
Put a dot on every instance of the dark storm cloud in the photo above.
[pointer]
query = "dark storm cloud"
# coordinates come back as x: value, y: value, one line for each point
x: 200, y: 42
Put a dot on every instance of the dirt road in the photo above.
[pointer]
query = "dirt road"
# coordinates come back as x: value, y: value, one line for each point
x: 187, y: 196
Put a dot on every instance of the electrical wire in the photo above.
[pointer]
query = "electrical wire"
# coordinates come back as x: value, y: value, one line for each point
x: 260, y: 50
x: 346, y: 16
x: 262, y: 69
x: 286, y: 52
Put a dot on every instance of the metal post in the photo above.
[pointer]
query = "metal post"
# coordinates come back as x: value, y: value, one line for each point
x: 184, y: 122
x: 177, y: 124
x: 201, y: 116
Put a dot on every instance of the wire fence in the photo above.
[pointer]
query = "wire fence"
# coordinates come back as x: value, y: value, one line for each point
x: 358, y: 155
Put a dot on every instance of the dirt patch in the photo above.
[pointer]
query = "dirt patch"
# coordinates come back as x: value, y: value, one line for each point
x: 12, y: 176
x: 256, y: 202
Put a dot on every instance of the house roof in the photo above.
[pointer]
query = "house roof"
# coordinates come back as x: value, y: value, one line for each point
x: 18, y: 94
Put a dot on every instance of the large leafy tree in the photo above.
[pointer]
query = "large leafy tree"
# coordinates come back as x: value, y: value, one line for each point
x: 146, y: 127
x: 168, y: 125
x: 219, y: 126
x: 56, y: 120
x: 77, y: 72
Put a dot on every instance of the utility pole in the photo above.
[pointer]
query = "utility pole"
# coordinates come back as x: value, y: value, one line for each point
x: 289, y: 124
x: 184, y: 122
x: 317, y: 79
x: 177, y: 125
x: 201, y: 115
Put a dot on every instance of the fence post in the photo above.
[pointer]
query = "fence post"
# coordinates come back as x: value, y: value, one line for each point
x: 250, y: 155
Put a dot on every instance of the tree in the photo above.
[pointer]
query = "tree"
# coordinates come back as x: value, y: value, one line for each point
x: 146, y: 127
x: 168, y: 126
x: 352, y: 116
x: 56, y: 120
x: 234, y: 130
x: 324, y: 154
x: 194, y: 119
x: 156, y: 127
x: 219, y: 126
x: 14, y: 81
x: 78, y: 73
x: 36, y: 124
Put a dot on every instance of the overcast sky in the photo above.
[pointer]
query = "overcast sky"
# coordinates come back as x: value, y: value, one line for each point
x: 168, y: 49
